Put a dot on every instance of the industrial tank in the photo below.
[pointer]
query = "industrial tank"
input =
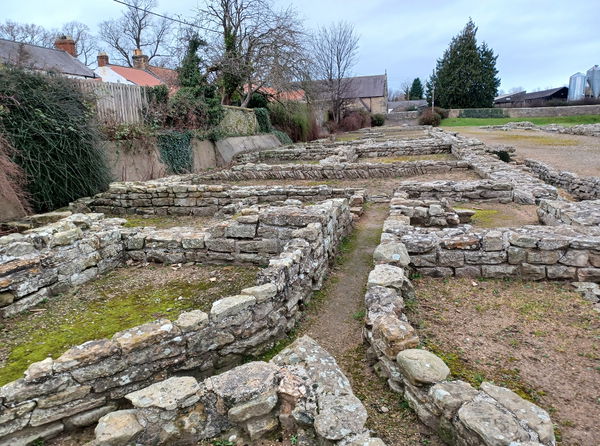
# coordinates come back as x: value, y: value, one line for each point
x: 576, y: 87
x: 593, y: 78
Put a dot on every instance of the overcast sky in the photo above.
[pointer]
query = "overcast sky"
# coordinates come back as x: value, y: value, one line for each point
x: 540, y: 43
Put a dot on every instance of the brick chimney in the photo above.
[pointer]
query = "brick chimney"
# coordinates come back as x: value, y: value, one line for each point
x: 102, y: 59
x: 67, y: 44
x: 140, y: 60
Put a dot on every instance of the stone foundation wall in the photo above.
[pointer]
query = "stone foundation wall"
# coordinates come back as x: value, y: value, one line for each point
x: 458, y: 412
x: 49, y: 260
x: 301, y: 392
x: 364, y: 150
x: 182, y: 196
x: 528, y: 112
x: 527, y: 189
x: 481, y: 190
x: 582, y: 188
x: 84, y: 383
x: 530, y: 252
x: 581, y: 213
x: 345, y: 171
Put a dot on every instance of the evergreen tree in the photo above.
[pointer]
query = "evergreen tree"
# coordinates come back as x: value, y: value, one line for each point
x: 189, y: 72
x: 466, y: 75
x: 416, y: 89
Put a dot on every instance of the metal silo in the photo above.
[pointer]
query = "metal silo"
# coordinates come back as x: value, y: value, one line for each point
x: 576, y: 87
x: 593, y: 78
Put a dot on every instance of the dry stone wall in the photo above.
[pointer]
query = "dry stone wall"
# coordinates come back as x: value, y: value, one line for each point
x: 51, y: 259
x: 301, y: 391
x: 342, y: 171
x: 369, y: 149
x: 480, y: 190
x: 83, y: 384
x: 181, y: 195
x: 458, y: 412
x: 532, y: 252
x: 526, y: 188
x: 581, y: 213
x: 582, y: 188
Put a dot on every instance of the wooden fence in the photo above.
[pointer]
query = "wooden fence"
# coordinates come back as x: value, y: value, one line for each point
x: 116, y: 102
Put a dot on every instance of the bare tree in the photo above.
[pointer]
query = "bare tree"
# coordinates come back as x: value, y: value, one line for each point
x: 405, y: 89
x: 334, y: 51
x: 253, y: 45
x: 395, y: 95
x: 138, y: 28
x: 27, y: 33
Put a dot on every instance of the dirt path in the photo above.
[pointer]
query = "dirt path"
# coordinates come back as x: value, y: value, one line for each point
x: 336, y: 324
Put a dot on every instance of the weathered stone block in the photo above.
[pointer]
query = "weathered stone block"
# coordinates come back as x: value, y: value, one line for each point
x: 421, y: 367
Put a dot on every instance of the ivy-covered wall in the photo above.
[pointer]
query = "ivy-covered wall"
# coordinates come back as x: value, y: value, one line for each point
x: 239, y: 121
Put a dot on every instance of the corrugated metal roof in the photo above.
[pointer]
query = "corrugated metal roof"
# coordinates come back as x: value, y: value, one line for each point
x: 541, y: 94
x: 41, y: 58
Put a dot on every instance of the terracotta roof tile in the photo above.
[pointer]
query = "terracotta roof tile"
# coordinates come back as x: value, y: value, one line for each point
x: 138, y: 77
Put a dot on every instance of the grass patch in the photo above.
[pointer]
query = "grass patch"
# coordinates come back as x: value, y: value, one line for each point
x: 563, y: 120
x: 542, y: 140
x: 165, y: 222
x: 111, y: 304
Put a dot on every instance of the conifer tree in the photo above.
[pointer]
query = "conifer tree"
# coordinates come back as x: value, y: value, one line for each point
x: 416, y: 89
x: 466, y: 75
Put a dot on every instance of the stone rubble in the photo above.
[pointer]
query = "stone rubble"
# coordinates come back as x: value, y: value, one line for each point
x: 301, y: 391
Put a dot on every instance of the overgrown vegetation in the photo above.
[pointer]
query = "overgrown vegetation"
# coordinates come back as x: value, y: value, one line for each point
x: 295, y: 119
x: 264, y: 120
x: 377, y: 120
x: 176, y: 151
x: 50, y: 123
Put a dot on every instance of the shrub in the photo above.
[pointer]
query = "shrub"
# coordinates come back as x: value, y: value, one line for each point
x: 194, y: 108
x: 282, y: 137
x: 429, y: 117
x: 258, y: 100
x: 48, y: 120
x: 354, y: 120
x: 443, y: 112
x: 482, y: 113
x: 264, y: 121
x: 377, y: 120
x: 294, y: 118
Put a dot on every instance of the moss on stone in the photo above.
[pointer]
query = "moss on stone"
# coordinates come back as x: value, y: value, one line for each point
x: 66, y: 321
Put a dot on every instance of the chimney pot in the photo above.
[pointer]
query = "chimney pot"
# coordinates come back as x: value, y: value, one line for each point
x: 102, y: 59
x: 140, y: 60
x: 67, y: 44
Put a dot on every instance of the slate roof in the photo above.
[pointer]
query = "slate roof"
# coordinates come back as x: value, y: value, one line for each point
x: 366, y: 87
x: 42, y: 58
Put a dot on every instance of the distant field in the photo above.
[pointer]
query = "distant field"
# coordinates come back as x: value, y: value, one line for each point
x: 564, y: 120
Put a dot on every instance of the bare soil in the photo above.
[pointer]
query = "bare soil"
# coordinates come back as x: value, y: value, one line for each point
x: 573, y: 153
x: 169, y: 221
x: 336, y: 324
x: 540, y: 339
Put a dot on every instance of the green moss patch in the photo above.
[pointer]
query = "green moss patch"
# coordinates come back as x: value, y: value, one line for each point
x: 121, y: 299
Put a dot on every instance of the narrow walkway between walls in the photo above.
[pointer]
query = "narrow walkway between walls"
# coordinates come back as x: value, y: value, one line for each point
x: 336, y: 321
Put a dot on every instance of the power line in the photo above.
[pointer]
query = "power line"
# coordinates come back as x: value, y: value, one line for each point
x: 164, y: 16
